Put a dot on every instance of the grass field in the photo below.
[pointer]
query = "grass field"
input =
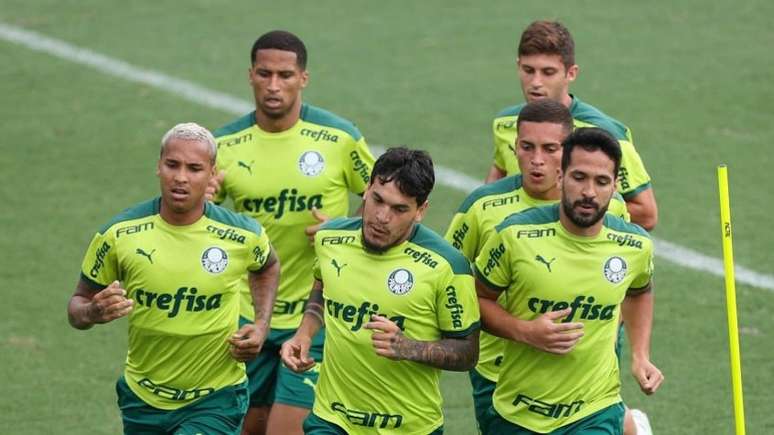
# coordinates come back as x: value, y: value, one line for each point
x: 692, y: 79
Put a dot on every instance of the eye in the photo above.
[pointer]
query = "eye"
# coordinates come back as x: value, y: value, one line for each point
x: 287, y: 74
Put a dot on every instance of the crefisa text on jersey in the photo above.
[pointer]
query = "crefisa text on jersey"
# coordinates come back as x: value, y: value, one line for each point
x: 226, y: 234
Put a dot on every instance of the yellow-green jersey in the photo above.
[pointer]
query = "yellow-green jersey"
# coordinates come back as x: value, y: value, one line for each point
x: 632, y: 176
x: 542, y: 267
x: 278, y: 178
x: 184, y: 281
x: 475, y: 221
x: 423, y: 285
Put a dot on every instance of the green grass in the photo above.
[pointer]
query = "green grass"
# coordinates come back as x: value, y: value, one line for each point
x: 692, y: 79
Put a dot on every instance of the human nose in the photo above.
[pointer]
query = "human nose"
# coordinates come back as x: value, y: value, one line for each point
x: 273, y: 83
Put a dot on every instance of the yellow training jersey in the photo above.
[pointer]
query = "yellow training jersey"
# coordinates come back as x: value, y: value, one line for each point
x: 632, y: 176
x: 185, y: 283
x: 475, y: 221
x: 542, y: 267
x: 426, y: 288
x: 277, y: 178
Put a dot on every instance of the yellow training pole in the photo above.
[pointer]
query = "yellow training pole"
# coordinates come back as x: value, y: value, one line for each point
x: 733, y: 328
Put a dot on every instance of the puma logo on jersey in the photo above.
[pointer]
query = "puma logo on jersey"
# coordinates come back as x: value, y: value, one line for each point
x: 145, y: 254
x: 336, y: 265
x: 309, y: 382
x: 543, y: 260
x: 249, y: 167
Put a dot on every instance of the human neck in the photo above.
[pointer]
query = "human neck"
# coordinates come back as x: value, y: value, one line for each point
x: 552, y: 194
x: 577, y: 230
x: 566, y: 100
x: 277, y: 125
x: 180, y: 219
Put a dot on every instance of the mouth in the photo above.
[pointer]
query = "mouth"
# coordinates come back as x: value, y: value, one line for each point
x: 587, y: 207
x: 535, y: 95
x: 537, y: 176
x: 178, y: 193
x: 272, y: 102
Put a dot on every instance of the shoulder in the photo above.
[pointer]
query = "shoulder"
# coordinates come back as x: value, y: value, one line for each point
x: 230, y: 218
x: 236, y: 126
x: 138, y: 211
x: 587, y: 113
x: 342, y: 223
x: 324, y: 118
x: 533, y: 216
x: 431, y: 241
x: 615, y: 223
x: 499, y: 187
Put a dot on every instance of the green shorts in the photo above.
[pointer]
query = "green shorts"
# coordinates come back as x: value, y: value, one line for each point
x: 314, y: 425
x: 608, y: 421
x: 220, y: 412
x: 483, y: 389
x: 270, y: 381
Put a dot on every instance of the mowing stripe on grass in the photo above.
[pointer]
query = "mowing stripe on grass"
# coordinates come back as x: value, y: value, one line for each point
x: 190, y: 91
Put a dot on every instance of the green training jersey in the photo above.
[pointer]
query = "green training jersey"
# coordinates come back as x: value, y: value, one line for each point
x: 277, y: 178
x: 423, y: 285
x: 475, y: 222
x: 632, y: 176
x: 542, y: 267
x: 184, y: 281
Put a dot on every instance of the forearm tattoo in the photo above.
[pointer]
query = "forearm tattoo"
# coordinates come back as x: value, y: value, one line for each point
x: 314, y: 305
x: 457, y: 354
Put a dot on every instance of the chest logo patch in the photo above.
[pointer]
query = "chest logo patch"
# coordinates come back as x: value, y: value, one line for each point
x: 615, y: 269
x: 214, y: 260
x: 311, y: 163
x: 400, y: 281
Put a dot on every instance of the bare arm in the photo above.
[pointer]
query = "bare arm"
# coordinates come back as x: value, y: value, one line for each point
x: 263, y: 289
x: 637, y: 311
x: 457, y: 354
x: 542, y: 333
x: 295, y: 352
x: 246, y: 343
x: 494, y: 174
x: 88, y: 306
x: 643, y: 210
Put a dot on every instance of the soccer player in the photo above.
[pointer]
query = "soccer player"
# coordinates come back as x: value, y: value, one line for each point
x: 547, y: 67
x: 174, y: 265
x: 542, y: 127
x: 600, y: 268
x: 288, y: 165
x: 398, y: 304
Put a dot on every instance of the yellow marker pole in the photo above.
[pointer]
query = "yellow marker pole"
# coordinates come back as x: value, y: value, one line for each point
x: 733, y: 328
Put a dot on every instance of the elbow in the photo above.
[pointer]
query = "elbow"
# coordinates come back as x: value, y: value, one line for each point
x: 649, y: 222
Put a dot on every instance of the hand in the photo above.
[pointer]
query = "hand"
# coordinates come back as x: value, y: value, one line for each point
x: 295, y: 354
x: 214, y: 185
x: 247, y: 342
x: 647, y: 375
x: 311, y: 230
x: 545, y: 334
x: 386, y: 337
x: 109, y: 304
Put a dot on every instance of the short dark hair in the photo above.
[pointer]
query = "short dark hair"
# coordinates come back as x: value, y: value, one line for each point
x: 546, y: 110
x: 548, y: 37
x: 411, y: 170
x: 592, y: 139
x: 280, y: 40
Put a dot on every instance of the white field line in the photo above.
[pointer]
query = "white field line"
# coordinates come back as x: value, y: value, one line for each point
x: 197, y: 94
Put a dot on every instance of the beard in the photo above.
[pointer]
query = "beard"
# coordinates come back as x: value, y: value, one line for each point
x: 583, y: 221
x: 370, y: 246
